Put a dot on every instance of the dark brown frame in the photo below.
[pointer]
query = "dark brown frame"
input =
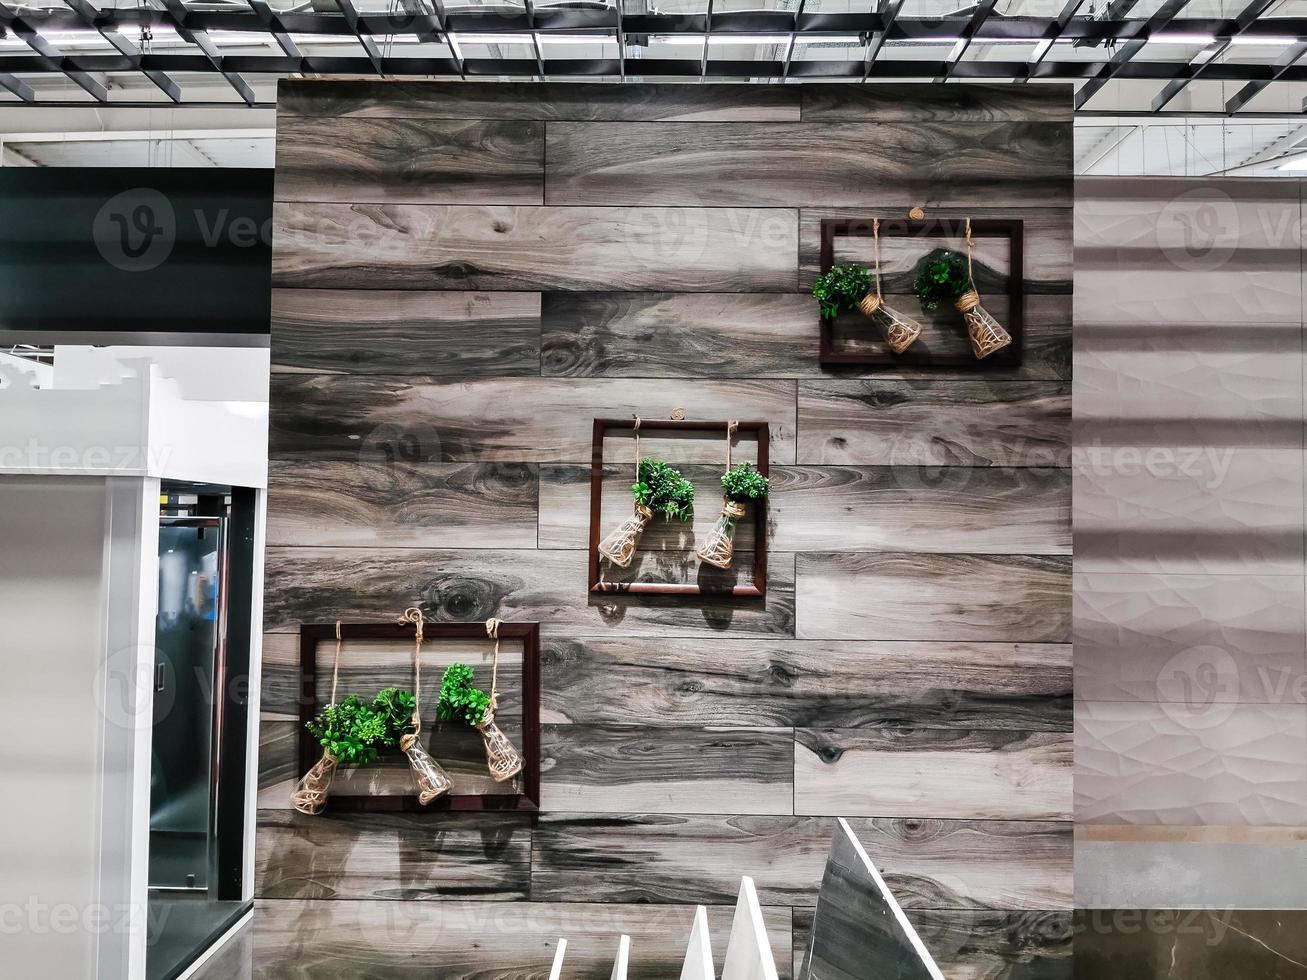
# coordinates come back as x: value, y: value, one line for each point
x: 311, y: 634
x: 757, y: 588
x: 1011, y: 229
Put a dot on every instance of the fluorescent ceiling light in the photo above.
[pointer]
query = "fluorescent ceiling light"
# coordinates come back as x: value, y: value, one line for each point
x: 1267, y: 41
x: 576, y: 39
x: 490, y: 38
x: 697, y: 39
x: 1181, y: 39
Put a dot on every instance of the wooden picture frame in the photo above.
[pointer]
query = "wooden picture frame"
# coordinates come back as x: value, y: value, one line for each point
x: 755, y: 588
x: 1011, y: 229
x: 309, y: 751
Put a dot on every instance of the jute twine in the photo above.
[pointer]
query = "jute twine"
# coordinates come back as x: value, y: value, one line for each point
x: 870, y: 303
x: 414, y: 615
x: 971, y: 298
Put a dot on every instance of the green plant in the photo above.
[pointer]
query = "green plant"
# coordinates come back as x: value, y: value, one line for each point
x: 664, y: 491
x: 459, y: 699
x: 841, y: 288
x: 350, y: 730
x: 744, y: 483
x: 395, y: 707
x: 942, y: 277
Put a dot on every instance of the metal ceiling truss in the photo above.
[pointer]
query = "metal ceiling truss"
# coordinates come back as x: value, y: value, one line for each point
x: 1119, y: 38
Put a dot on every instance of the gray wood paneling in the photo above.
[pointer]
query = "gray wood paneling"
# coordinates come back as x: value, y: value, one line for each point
x: 785, y: 682
x: 421, y: 420
x: 367, y: 504
x: 707, y: 335
x: 935, y: 423
x: 889, y: 596
x: 383, y: 940
x: 403, y: 161
x: 994, y: 510
x: 982, y: 945
x: 412, y: 246
x: 395, y: 856
x: 398, y: 332
x: 984, y: 775
x: 927, y: 863
x: 409, y: 98
x: 619, y: 768
x: 375, y: 585
x: 764, y: 335
x: 843, y: 164
x: 443, y: 339
x: 950, y: 103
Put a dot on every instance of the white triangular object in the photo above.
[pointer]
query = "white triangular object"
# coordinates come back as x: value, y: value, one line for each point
x: 556, y: 971
x: 623, y: 956
x: 698, y: 955
x: 748, y: 954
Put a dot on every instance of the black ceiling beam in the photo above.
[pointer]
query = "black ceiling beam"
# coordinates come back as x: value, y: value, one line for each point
x: 888, y: 16
x: 270, y: 21
x: 17, y: 86
x: 1155, y: 23
x: 1117, y: 10
x: 177, y: 10
x: 1053, y: 32
x: 1282, y: 68
x: 50, y: 57
x: 1246, y: 18
x: 351, y: 16
x: 162, y: 81
x: 995, y: 27
x: 981, y: 14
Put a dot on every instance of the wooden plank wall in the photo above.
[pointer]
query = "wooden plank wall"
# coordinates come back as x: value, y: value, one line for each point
x: 466, y: 275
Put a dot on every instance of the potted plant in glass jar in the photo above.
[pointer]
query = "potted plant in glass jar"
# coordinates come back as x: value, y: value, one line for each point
x: 351, y: 732
x: 659, y: 489
x: 945, y: 276
x: 399, y: 709
x: 849, y: 286
x: 459, y: 700
x: 739, y: 486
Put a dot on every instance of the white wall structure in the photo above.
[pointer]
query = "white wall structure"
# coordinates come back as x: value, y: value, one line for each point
x: 81, y: 463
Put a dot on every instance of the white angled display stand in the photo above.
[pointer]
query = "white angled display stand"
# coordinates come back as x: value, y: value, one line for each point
x: 81, y: 463
x: 556, y: 971
x: 623, y: 957
x: 748, y: 953
x: 698, y: 955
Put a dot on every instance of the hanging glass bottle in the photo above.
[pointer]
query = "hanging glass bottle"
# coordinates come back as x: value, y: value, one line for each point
x: 986, y: 333
x: 619, y: 546
x: 719, y: 547
x: 899, y: 329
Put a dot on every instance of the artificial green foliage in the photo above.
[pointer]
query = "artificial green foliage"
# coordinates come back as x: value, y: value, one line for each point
x: 395, y: 706
x: 350, y: 730
x: 841, y: 288
x: 664, y: 491
x: 744, y: 483
x: 459, y: 699
x: 941, y: 278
